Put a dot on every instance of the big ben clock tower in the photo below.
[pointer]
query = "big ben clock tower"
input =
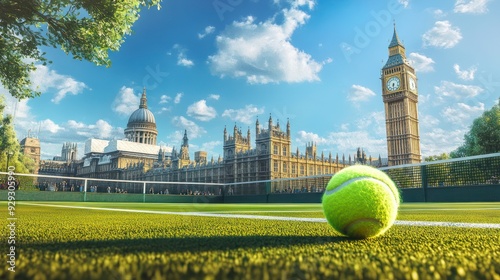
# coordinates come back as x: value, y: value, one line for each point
x: 400, y: 95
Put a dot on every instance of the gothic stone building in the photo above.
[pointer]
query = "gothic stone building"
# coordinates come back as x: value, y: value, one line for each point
x: 271, y: 158
x: 138, y: 158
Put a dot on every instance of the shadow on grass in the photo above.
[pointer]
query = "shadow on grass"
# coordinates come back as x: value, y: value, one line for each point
x: 184, y: 244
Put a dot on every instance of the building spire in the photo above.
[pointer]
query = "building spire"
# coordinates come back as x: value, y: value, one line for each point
x: 144, y: 100
x: 397, y: 52
x: 395, y: 39
x: 185, y: 139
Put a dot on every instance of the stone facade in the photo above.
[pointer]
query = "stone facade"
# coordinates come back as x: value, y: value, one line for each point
x: 30, y: 146
x: 271, y: 158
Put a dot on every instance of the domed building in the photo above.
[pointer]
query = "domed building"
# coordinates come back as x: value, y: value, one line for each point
x: 141, y: 126
x: 108, y: 159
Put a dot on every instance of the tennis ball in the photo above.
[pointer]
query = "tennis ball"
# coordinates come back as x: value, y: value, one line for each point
x: 361, y: 202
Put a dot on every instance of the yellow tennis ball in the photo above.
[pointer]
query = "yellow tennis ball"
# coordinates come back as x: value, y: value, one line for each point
x: 361, y: 202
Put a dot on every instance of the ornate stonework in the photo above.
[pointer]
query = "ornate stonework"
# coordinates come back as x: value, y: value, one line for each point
x: 400, y: 96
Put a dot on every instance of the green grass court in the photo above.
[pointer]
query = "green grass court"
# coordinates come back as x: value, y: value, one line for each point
x: 150, y: 241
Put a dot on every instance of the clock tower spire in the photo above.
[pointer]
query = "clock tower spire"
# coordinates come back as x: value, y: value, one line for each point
x: 400, y: 96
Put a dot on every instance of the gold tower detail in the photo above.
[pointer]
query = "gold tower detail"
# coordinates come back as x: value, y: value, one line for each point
x: 400, y: 95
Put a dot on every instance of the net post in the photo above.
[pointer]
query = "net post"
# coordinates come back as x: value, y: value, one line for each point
x: 144, y: 192
x: 268, y: 190
x: 85, y: 190
x: 423, y: 172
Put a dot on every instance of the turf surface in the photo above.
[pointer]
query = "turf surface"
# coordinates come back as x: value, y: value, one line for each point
x: 66, y: 243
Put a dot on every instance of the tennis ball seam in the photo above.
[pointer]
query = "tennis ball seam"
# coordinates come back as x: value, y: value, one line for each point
x: 353, y: 180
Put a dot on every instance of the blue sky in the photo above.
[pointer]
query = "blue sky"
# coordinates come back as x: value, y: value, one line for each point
x: 210, y: 64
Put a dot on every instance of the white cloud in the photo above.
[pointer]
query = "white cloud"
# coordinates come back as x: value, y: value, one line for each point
x: 75, y: 125
x: 439, y: 13
x: 404, y: 3
x: 442, y: 35
x: 125, y: 102
x: 359, y: 93
x: 421, y: 63
x: 304, y: 137
x: 344, y: 127
x: 103, y: 128
x: 457, y: 91
x: 462, y: 113
x: 436, y: 140
x: 245, y: 115
x: 208, y: 30
x: 471, y: 6
x: 193, y: 130
x: 214, y: 96
x: 164, y: 110
x: 374, y: 121
x: 178, y: 97
x: 466, y: 75
x: 165, y: 99
x: 43, y: 79
x: 200, y: 111
x: 52, y: 134
x: 424, y: 98
x: 327, y: 61
x: 210, y: 148
x: 182, y: 60
x: 428, y: 121
x: 262, y: 52
x: 299, y: 3
x: 366, y: 131
x: 50, y: 126
x: 345, y: 142
x: 14, y: 107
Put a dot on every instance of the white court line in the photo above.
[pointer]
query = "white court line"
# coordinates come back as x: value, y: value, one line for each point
x: 447, y: 209
x: 264, y: 211
x: 445, y: 224
x: 274, y: 218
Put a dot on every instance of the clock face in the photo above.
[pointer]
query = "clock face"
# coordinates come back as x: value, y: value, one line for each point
x: 393, y: 83
x: 413, y: 85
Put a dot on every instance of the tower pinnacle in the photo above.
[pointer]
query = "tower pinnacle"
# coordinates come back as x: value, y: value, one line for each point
x: 395, y: 39
x: 144, y: 100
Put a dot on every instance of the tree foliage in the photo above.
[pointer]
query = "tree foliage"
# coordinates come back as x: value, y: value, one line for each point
x: 86, y: 29
x: 442, y: 156
x: 484, y: 135
x: 10, y: 150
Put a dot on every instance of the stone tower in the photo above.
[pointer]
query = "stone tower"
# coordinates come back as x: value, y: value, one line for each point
x: 274, y: 148
x: 184, y: 153
x: 400, y: 96
x: 30, y: 147
x: 234, y: 148
x: 69, y: 152
x: 236, y: 143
